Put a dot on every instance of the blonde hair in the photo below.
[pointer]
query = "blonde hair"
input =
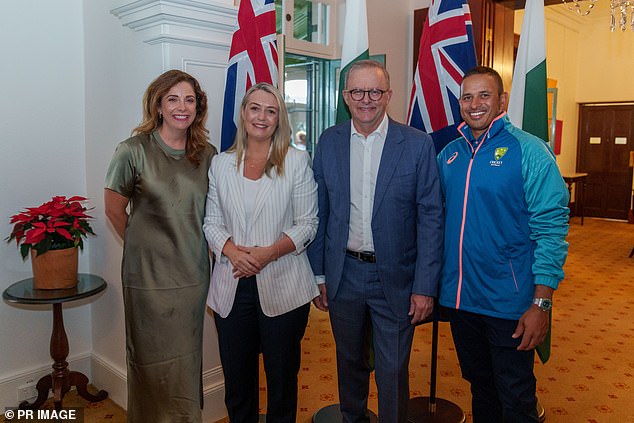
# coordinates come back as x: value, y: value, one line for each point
x: 197, y: 134
x: 281, y: 136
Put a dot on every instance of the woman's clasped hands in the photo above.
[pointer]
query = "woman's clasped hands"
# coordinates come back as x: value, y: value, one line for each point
x: 249, y: 261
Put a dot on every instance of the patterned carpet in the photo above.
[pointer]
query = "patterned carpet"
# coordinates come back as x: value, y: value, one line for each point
x: 104, y: 411
x: 589, y: 378
x: 590, y: 375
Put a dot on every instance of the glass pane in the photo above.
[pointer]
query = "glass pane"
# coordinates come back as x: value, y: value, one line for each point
x: 279, y: 14
x: 308, y: 92
x: 311, y: 21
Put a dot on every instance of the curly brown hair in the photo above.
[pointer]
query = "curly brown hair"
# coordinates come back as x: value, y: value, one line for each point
x: 197, y: 134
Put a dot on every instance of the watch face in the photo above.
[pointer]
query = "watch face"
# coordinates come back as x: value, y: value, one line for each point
x: 544, y: 304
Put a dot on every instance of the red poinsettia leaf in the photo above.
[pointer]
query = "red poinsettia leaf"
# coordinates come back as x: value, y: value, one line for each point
x: 63, y: 232
x: 20, y: 217
x: 60, y: 221
x: 34, y: 236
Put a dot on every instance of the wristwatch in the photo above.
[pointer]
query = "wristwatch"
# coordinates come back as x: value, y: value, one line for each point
x: 544, y: 304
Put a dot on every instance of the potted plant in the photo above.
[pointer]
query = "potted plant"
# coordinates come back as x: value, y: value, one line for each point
x: 52, y: 233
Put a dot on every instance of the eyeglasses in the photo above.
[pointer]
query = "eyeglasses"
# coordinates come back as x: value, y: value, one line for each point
x: 358, y: 94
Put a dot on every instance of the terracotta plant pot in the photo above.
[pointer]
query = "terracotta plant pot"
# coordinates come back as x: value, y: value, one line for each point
x: 55, y: 269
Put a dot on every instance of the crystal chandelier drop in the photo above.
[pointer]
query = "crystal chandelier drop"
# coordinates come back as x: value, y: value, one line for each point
x: 618, y: 11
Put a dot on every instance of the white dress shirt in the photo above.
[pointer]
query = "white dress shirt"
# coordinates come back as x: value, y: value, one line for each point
x: 365, y: 158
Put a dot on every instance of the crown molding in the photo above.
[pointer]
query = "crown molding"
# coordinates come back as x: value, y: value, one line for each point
x: 204, y: 23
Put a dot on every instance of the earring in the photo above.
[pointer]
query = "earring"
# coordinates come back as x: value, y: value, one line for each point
x: 160, y: 116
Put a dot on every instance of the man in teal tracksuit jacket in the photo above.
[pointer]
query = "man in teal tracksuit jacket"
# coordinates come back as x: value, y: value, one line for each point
x: 506, y: 222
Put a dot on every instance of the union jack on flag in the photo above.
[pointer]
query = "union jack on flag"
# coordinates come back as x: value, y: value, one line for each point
x: 252, y: 59
x: 446, y: 53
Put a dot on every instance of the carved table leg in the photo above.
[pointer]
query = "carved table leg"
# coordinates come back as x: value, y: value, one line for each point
x: 61, y: 379
x: 80, y: 381
x: 59, y: 352
x: 43, y: 386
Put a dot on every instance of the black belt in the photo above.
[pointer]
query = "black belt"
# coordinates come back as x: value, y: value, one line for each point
x: 362, y: 255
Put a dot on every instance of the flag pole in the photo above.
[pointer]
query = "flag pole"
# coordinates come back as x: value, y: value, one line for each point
x: 432, y: 409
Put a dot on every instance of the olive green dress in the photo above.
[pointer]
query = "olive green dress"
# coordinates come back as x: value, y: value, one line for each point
x: 165, y: 274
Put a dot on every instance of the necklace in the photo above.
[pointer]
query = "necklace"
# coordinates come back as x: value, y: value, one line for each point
x: 252, y: 163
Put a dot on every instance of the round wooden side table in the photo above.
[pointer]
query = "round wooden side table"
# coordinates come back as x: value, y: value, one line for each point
x: 61, y: 378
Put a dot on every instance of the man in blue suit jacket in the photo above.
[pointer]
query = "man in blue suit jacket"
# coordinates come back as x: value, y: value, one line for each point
x: 378, y: 248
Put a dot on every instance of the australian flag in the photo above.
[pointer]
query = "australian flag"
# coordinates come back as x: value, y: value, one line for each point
x: 446, y: 53
x: 252, y: 59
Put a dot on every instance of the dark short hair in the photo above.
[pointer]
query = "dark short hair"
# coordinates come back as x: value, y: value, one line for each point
x: 485, y: 70
x: 364, y: 64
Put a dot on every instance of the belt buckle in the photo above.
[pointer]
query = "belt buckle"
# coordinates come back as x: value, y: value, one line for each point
x: 363, y: 256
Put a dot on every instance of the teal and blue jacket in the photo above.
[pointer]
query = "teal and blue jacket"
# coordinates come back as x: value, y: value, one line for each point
x: 506, y: 221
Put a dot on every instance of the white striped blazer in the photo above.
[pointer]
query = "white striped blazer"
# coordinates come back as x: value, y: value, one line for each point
x: 284, y: 204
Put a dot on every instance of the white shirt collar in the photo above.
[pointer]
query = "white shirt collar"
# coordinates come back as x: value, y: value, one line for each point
x: 380, y: 130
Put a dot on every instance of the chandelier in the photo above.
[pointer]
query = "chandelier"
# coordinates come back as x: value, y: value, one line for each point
x: 618, y: 11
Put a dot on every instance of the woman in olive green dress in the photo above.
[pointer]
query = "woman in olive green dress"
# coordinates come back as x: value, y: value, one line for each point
x: 161, y: 172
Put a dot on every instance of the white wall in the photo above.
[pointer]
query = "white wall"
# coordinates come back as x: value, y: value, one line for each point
x: 590, y: 64
x: 43, y: 149
x: 74, y: 79
x: 121, y: 61
x: 396, y: 45
x: 606, y: 64
x: 119, y: 66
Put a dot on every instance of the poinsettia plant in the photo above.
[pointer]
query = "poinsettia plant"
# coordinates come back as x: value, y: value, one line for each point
x: 55, y: 225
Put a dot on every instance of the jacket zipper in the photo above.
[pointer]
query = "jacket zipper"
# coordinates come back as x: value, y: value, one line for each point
x: 465, y: 198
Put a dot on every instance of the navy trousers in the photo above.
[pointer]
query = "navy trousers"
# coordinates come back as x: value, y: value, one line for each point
x: 501, y: 377
x: 359, y: 305
x: 241, y: 336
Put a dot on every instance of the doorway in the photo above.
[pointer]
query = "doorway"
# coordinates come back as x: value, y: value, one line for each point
x: 310, y: 94
x: 605, y: 143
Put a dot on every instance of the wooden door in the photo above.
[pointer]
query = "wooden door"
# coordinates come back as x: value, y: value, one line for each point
x: 606, y: 138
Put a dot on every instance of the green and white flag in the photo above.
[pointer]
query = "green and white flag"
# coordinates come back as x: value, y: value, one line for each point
x: 528, y: 105
x: 355, y: 48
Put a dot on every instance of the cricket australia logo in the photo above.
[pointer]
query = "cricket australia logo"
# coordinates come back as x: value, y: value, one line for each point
x: 497, y: 156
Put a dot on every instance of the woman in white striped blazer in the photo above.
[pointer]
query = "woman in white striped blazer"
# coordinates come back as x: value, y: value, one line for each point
x: 261, y: 215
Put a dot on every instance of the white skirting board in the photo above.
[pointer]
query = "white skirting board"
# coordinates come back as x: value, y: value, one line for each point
x: 108, y: 377
x: 9, y: 383
x: 104, y: 375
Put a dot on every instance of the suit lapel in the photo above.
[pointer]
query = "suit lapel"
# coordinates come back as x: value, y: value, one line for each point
x: 236, y: 190
x: 392, y: 150
x: 343, y: 163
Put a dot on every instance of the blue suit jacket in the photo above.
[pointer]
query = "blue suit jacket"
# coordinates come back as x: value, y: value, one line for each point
x: 407, y: 219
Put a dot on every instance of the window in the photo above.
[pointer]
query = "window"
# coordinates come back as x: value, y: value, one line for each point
x: 309, y: 78
x: 308, y: 25
x: 310, y: 95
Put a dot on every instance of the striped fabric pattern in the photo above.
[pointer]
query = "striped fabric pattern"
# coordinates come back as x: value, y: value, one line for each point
x: 284, y: 204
